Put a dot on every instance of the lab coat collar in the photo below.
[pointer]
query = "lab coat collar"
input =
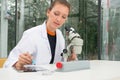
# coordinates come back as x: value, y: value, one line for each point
x: 44, y: 31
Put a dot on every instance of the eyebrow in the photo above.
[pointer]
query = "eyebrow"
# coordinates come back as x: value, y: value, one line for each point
x: 60, y: 12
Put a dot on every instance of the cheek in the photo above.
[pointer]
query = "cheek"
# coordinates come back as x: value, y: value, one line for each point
x: 53, y: 17
x: 63, y: 21
x: 49, y: 16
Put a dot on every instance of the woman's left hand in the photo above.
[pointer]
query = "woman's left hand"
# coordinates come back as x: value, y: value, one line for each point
x: 73, y: 56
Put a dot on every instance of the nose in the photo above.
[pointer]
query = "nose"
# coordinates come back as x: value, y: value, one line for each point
x: 58, y: 18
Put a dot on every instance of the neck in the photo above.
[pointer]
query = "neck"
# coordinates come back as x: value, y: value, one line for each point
x: 52, y: 33
x: 48, y: 28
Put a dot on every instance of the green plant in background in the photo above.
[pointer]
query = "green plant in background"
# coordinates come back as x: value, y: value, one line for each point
x: 83, y: 18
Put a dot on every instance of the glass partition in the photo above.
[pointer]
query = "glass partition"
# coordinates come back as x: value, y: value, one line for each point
x: 111, y: 29
x: 84, y: 17
x: 114, y: 30
x: 0, y: 21
x: 0, y: 12
x: 25, y: 14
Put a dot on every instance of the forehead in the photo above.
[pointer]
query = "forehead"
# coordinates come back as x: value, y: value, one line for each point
x: 61, y: 8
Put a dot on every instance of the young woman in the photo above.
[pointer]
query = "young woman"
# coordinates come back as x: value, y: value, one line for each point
x: 43, y: 43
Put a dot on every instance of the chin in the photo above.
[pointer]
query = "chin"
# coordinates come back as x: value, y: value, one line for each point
x: 55, y: 27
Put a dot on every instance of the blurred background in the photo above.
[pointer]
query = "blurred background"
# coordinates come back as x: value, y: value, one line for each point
x: 97, y: 21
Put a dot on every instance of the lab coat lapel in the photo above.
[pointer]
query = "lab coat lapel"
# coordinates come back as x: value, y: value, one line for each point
x: 44, y: 35
x: 57, y: 47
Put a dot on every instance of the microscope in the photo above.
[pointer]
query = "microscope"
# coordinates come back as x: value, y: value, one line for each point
x: 74, y: 43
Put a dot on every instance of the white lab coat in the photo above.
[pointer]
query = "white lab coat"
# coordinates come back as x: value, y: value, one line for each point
x: 35, y: 41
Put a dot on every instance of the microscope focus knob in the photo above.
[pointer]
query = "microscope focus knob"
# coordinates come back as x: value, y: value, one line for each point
x: 65, y: 51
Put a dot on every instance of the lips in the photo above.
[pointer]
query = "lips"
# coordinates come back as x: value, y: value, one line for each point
x: 56, y: 23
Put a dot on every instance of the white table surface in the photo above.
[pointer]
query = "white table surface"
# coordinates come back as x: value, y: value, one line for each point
x: 99, y: 70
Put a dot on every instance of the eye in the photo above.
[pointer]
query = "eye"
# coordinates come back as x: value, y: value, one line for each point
x: 64, y: 17
x: 56, y: 14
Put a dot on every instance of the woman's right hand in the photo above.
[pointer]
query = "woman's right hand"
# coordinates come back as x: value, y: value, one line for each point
x: 24, y: 59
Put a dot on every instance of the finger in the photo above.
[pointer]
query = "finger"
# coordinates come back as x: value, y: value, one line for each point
x: 74, y: 56
x: 27, y: 56
x: 25, y: 59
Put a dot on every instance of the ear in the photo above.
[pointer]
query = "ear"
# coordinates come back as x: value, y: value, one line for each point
x: 48, y: 11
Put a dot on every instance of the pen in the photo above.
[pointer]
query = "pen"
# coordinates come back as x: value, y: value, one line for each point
x: 33, y: 59
x: 33, y: 62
